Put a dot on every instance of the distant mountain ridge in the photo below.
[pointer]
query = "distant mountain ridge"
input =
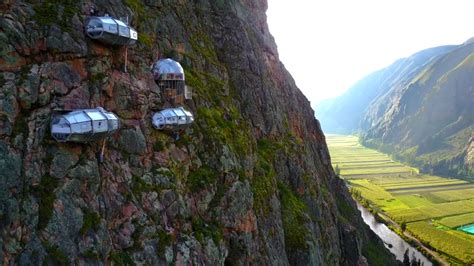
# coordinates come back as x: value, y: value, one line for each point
x: 420, y: 108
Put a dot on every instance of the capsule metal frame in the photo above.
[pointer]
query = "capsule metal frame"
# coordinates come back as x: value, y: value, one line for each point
x: 172, y: 119
x: 110, y: 31
x: 84, y: 125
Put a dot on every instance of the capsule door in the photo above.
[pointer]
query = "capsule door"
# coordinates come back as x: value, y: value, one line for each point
x: 181, y: 116
x: 171, y: 119
x: 112, y: 124
x: 189, y: 116
x: 60, y: 129
x: 99, y: 121
x: 158, y: 121
x: 109, y: 25
x: 123, y: 29
x: 81, y: 128
x: 80, y: 123
x: 99, y: 126
x: 94, y: 28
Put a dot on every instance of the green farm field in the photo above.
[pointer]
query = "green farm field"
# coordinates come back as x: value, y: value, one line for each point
x: 432, y: 208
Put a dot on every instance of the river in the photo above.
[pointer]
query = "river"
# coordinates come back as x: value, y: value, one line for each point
x: 389, y: 237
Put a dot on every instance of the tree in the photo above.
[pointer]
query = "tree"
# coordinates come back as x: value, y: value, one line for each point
x: 403, y: 226
x: 406, y: 258
x: 414, y: 261
x: 337, y: 170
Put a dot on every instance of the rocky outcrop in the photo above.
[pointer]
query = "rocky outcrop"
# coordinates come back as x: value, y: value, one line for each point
x: 249, y: 183
x: 421, y: 110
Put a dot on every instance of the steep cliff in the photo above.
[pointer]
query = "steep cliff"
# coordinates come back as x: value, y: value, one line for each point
x: 421, y: 110
x: 249, y: 183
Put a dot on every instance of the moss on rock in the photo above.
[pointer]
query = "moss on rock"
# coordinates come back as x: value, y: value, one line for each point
x: 45, y: 193
x: 202, y: 178
x: 54, y: 255
x: 294, y: 218
x: 91, y: 220
x: 56, y: 12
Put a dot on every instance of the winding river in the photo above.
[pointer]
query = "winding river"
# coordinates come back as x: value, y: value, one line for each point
x: 389, y: 237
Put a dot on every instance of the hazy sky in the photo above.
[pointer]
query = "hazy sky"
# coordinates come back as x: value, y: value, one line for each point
x: 329, y: 45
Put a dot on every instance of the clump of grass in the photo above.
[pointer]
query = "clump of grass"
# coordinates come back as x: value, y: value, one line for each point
x: 59, y: 12
x: 203, y: 230
x: 45, y: 193
x: 263, y: 185
x: 20, y: 126
x: 121, y: 258
x: 158, y: 146
x: 2, y: 80
x: 222, y: 128
x: 91, y: 220
x: 202, y: 178
x: 137, y: 7
x: 91, y: 254
x: 97, y: 78
x: 164, y: 241
x: 139, y: 186
x: 294, y: 218
x: 54, y: 255
x: 146, y: 39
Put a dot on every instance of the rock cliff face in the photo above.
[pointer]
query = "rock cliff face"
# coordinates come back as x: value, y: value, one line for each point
x: 420, y: 108
x: 249, y: 183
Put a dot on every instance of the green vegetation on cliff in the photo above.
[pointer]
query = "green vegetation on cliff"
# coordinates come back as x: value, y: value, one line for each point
x: 56, y: 12
x: 294, y: 213
x: 45, y: 192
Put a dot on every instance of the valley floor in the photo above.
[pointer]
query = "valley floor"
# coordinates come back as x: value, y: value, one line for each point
x: 437, y: 211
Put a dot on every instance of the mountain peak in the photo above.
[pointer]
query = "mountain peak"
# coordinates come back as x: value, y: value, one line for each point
x: 469, y: 41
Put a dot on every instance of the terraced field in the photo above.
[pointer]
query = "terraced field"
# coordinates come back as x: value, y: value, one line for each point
x: 458, y: 220
x: 433, y: 208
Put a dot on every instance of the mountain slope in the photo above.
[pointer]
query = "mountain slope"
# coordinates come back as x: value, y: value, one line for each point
x: 249, y: 183
x: 343, y: 114
x: 425, y: 115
